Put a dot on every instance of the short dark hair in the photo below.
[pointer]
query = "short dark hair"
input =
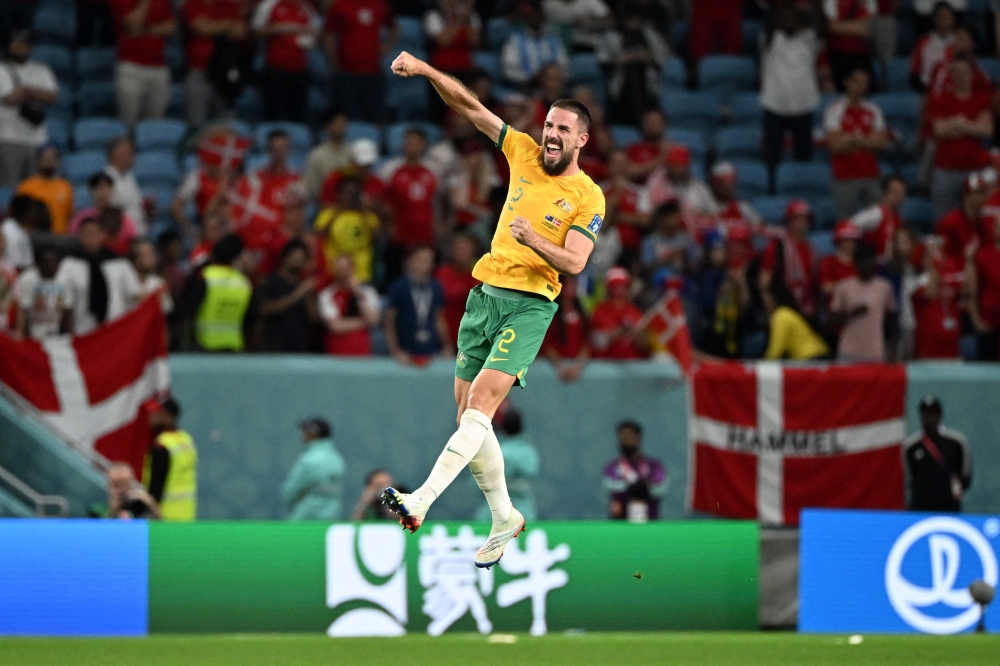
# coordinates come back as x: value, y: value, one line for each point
x: 171, y: 407
x: 227, y: 249
x: 888, y: 180
x: 418, y: 131
x: 90, y: 219
x: 865, y: 252
x: 669, y: 207
x: 115, y: 142
x: 629, y: 425
x: 942, y: 5
x: 99, y: 178
x: 292, y: 246
x: 579, y: 108
x: 167, y: 237
x: 20, y: 206
x: 276, y: 134
x: 513, y: 423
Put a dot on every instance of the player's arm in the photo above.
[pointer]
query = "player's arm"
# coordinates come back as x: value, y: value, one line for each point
x: 570, y: 259
x: 455, y: 95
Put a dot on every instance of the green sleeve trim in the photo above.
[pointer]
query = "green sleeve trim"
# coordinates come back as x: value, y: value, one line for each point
x: 585, y: 231
x: 503, y: 135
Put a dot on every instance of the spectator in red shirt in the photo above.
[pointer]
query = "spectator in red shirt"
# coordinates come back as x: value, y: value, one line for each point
x: 364, y: 154
x: 733, y: 211
x: 965, y: 227
x: 142, y: 78
x: 354, y: 48
x: 205, y: 21
x: 289, y: 29
x: 961, y: 120
x: 791, y: 260
x: 454, y: 32
x: 276, y: 175
x: 836, y: 267
x: 855, y: 132
x: 349, y: 310
x: 936, y: 308
x: 613, y: 327
x: 456, y: 279
x: 716, y: 27
x: 879, y: 223
x: 411, y: 193
x: 566, y: 342
x: 848, y: 49
x: 627, y: 208
x: 932, y: 48
x: 984, y: 306
x: 650, y: 153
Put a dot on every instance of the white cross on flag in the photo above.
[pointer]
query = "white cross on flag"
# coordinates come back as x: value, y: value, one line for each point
x: 766, y: 441
x: 91, y: 387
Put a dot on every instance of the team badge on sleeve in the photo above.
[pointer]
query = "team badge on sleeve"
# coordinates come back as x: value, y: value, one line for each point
x: 595, y: 225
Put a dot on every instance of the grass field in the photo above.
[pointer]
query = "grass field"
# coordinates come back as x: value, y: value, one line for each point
x: 679, y: 649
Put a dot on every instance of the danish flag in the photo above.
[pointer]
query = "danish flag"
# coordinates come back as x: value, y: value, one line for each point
x: 766, y: 441
x: 91, y: 388
x: 667, y: 323
x: 224, y: 149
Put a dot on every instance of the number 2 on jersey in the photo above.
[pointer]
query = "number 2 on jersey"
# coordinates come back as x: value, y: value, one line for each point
x: 518, y: 193
x: 505, y: 340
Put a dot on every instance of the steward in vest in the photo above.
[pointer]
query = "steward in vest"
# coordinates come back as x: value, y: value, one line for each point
x: 171, y: 465
x: 216, y: 300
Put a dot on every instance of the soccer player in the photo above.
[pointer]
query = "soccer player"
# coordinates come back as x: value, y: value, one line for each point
x: 549, y: 223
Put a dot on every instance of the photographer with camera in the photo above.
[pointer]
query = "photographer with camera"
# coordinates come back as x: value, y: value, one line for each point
x: 126, y: 498
x: 27, y: 89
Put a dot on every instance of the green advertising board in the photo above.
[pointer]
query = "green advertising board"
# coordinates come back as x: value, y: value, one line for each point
x: 375, y: 579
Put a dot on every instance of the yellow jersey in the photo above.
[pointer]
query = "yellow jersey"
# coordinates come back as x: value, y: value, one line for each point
x: 349, y: 232
x: 793, y: 338
x: 553, y: 204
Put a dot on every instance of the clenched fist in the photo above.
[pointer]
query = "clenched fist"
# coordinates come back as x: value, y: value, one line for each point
x: 406, y: 65
x: 522, y: 230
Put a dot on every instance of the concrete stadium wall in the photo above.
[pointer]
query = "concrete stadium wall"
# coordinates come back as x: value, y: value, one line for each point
x: 243, y: 412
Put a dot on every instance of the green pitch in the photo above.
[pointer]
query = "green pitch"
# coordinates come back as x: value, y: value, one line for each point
x: 680, y: 649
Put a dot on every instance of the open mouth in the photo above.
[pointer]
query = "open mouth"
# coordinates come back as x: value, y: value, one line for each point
x: 553, y: 150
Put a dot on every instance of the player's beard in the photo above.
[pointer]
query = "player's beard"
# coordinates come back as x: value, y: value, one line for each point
x: 558, y: 167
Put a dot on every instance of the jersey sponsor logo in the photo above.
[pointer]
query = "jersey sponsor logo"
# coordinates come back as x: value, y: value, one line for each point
x: 553, y: 221
x: 595, y: 224
x: 562, y: 204
x: 462, y: 359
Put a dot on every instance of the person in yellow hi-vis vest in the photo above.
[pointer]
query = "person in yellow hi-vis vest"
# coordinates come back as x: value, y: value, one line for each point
x: 217, y: 300
x: 171, y: 470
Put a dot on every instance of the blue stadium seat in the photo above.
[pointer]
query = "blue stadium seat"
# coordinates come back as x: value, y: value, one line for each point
x: 910, y: 173
x: 488, y: 62
x: 62, y: 110
x: 159, y: 134
x: 96, y: 98
x: 94, y: 133
x: 300, y: 135
x: 898, y: 75
x: 319, y: 68
x: 54, y: 25
x: 751, y: 179
x: 745, y: 109
x: 497, y: 31
x: 296, y: 161
x: 81, y: 197
x: 407, y: 97
x: 411, y: 33
x: 738, y: 142
x: 176, y: 108
x: 901, y: 110
x: 918, y: 214
x: 58, y: 58
x: 726, y: 75
x: 822, y: 242
x: 824, y: 213
x: 6, y: 194
x: 156, y: 168
x: 249, y: 105
x: 95, y: 64
x: 584, y: 68
x: 772, y: 209
x: 58, y: 132
x: 807, y: 180
x: 317, y: 105
x: 240, y: 127
x: 80, y: 166
x: 162, y: 197
x: 697, y: 111
x: 693, y: 139
x: 674, y: 74
x: 394, y: 135
x: 679, y: 33
x: 624, y: 135
x: 361, y: 130
x: 992, y: 68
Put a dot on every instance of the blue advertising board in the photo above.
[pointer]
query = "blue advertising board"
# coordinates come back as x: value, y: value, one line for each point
x: 74, y: 577
x: 895, y: 572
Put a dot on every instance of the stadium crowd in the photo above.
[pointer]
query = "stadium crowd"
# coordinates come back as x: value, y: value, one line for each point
x: 810, y: 179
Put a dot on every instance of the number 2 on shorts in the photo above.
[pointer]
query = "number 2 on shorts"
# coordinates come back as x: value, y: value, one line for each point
x: 505, y: 340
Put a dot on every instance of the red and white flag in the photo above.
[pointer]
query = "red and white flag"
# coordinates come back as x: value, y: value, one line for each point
x: 668, y: 325
x: 766, y: 441
x: 91, y: 387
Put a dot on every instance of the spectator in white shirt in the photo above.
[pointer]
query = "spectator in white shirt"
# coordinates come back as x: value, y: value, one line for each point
x: 581, y: 24
x: 789, y: 89
x: 530, y: 48
x: 44, y: 305
x: 126, y: 193
x: 27, y: 89
x: 142, y: 254
x: 675, y: 180
x: 932, y: 48
x: 102, y: 285
x: 22, y: 213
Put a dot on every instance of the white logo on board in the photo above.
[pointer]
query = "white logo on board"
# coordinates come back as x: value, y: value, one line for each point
x: 945, y: 554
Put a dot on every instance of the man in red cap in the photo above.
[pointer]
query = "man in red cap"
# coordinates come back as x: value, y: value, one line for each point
x: 879, y: 223
x: 966, y: 225
x: 613, y: 325
x: 790, y: 258
x: 838, y: 266
x: 675, y: 180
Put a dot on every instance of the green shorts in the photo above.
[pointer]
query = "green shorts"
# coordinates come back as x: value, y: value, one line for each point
x: 502, y: 330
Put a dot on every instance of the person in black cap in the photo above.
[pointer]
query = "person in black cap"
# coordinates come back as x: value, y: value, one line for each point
x: 171, y: 470
x: 938, y: 463
x: 314, y: 488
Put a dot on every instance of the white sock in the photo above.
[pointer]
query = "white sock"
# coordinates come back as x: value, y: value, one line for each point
x: 487, y: 470
x: 460, y: 450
